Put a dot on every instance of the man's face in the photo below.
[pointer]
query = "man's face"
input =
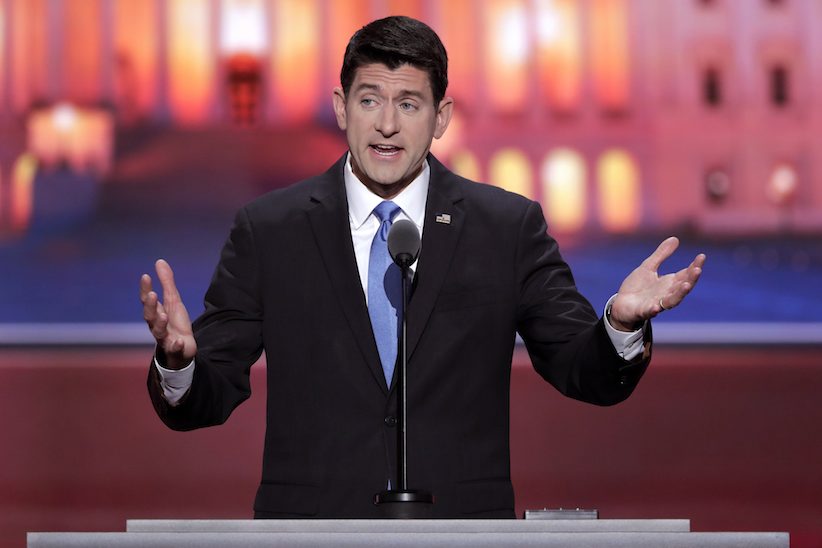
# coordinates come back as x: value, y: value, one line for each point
x: 390, y: 119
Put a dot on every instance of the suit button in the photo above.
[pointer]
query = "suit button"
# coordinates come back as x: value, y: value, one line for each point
x: 391, y: 421
x: 623, y: 380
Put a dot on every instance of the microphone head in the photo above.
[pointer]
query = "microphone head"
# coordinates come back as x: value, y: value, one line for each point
x: 404, y: 242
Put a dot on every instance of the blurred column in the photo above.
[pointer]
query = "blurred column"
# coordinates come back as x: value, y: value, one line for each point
x: 161, y: 112
x: 218, y: 89
x: 505, y: 28
x: 55, y: 38
x: 107, y: 59
x: 609, y: 55
x: 5, y: 60
x: 586, y: 84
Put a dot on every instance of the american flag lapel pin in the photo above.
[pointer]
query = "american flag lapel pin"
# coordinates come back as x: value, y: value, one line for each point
x: 443, y: 218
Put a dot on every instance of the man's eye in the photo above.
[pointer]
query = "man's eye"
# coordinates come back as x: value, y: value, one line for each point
x: 367, y: 102
x: 408, y: 106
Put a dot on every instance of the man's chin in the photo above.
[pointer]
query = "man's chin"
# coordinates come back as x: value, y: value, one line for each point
x: 384, y: 179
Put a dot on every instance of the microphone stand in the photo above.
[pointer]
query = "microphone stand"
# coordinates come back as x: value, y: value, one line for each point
x: 404, y: 503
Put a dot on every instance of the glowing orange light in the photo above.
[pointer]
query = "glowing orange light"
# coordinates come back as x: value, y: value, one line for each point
x: 191, y: 70
x: 295, y: 68
x: 22, y: 191
x: 609, y: 53
x: 564, y: 191
x: 82, y: 138
x: 510, y: 169
x: 507, y: 57
x: 559, y: 52
x: 64, y: 118
x: 618, y: 185
x: 242, y: 27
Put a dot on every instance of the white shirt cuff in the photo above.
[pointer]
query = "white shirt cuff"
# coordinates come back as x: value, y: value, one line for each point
x: 175, y: 382
x: 627, y: 344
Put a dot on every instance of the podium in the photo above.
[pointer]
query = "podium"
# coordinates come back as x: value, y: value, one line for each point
x: 429, y: 533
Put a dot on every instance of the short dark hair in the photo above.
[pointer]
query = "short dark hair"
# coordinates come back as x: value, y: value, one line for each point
x: 395, y: 41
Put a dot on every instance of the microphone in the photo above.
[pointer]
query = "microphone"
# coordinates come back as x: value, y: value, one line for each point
x: 402, y: 502
x: 404, y: 243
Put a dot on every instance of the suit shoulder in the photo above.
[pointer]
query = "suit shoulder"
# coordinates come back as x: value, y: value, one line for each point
x: 283, y: 203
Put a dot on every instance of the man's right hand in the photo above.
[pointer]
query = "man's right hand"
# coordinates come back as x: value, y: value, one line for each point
x: 169, y: 322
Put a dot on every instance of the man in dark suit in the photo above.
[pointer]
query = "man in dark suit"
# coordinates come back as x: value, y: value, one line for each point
x: 300, y: 278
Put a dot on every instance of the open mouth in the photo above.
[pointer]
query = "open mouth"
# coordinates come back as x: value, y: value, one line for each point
x: 386, y: 150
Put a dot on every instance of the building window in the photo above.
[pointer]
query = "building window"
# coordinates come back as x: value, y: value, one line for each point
x: 619, y: 193
x: 712, y: 87
x: 564, y: 190
x: 717, y: 185
x: 782, y: 184
x: 510, y: 169
x: 779, y: 86
x: 465, y: 164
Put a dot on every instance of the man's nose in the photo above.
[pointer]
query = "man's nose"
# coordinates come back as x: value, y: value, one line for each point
x: 387, y: 122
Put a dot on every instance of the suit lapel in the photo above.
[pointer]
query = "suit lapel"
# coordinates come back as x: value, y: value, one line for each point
x: 329, y: 221
x: 439, y: 241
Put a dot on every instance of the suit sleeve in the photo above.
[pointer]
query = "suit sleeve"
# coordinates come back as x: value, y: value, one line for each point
x: 566, y: 341
x: 229, y: 338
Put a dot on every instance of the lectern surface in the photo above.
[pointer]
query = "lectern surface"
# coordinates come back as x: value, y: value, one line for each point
x: 300, y: 540
x: 409, y: 526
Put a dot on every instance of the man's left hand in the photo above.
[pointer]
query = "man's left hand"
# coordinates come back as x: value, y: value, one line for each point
x: 645, y: 293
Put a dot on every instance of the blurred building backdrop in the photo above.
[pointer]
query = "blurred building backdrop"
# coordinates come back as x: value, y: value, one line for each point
x: 621, y: 117
x: 615, y: 114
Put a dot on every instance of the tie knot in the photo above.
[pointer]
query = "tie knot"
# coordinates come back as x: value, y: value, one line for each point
x: 386, y: 211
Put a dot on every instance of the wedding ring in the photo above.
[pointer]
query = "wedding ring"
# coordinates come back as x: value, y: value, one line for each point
x: 662, y: 306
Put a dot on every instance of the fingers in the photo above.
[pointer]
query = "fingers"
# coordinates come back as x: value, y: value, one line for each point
x: 166, y: 276
x: 665, y: 250
x: 149, y: 299
x: 684, y: 282
x: 153, y: 312
x: 692, y: 272
x: 145, y: 287
x: 155, y: 316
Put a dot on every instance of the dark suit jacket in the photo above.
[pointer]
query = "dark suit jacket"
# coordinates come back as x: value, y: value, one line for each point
x: 287, y: 283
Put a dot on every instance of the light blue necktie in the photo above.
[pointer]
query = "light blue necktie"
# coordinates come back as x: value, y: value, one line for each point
x: 384, y: 291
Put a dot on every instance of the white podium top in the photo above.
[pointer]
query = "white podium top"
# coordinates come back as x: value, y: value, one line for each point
x: 449, y: 540
x: 408, y: 533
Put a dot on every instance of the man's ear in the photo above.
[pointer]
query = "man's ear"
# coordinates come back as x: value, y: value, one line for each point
x: 444, y: 111
x: 339, y: 107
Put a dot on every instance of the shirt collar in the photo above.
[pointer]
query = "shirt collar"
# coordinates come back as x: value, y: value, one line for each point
x: 361, y: 201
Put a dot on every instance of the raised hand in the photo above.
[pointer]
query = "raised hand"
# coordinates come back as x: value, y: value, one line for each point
x: 644, y: 293
x: 169, y: 321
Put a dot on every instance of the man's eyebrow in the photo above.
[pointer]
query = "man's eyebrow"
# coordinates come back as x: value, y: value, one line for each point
x: 374, y: 87
x: 412, y: 93
x: 362, y: 86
